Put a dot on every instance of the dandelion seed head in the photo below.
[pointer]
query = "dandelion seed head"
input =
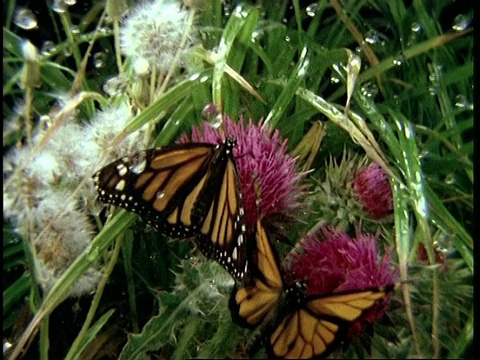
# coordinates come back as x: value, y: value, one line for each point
x: 85, y: 285
x: 141, y: 66
x: 153, y: 31
x: 105, y: 126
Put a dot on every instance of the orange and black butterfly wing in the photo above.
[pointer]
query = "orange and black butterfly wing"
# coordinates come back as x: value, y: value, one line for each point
x: 250, y: 305
x: 184, y: 190
x: 161, y: 185
x: 222, y: 230
x: 314, y: 328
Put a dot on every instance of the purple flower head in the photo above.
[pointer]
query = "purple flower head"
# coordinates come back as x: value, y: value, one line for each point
x: 268, y: 178
x: 340, y: 264
x: 374, y: 191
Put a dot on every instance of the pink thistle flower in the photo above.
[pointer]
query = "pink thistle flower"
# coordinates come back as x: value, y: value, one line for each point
x: 340, y: 264
x: 268, y: 178
x: 374, y: 191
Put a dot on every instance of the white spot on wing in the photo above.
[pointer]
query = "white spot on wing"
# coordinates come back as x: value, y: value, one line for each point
x: 120, y: 185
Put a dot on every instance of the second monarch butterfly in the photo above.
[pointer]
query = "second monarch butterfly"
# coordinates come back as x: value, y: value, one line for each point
x: 184, y: 190
x: 295, y: 325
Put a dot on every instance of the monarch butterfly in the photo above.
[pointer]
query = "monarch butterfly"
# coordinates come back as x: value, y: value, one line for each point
x: 295, y: 325
x: 184, y: 190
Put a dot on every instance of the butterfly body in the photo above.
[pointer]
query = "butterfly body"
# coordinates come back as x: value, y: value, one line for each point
x: 184, y: 190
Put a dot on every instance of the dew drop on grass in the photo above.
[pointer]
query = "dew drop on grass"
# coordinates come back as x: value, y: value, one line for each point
x: 99, y: 60
x: 216, y: 122
x: 334, y: 80
x: 194, y: 77
x: 373, y: 37
x: 25, y: 19
x: 311, y: 9
x: 461, y: 101
x: 433, y: 90
x: 68, y: 51
x: 6, y: 346
x: 416, y: 27
x: 450, y: 179
x: 44, y: 122
x: 369, y: 89
x: 114, y: 85
x: 461, y: 22
x: 47, y: 48
x: 399, y: 60
x: 59, y: 6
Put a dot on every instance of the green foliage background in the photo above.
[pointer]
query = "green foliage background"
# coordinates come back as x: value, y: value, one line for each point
x: 410, y: 104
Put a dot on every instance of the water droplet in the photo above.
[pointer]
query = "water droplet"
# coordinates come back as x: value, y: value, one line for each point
x: 70, y: 2
x: 461, y: 101
x: 311, y: 9
x: 160, y: 195
x: 416, y: 27
x: 216, y: 121
x: 334, y: 80
x: 44, y: 122
x: 75, y: 29
x: 433, y: 90
x: 461, y: 22
x: 67, y: 51
x: 287, y: 38
x: 444, y: 243
x: 209, y: 111
x: 373, y: 37
x: 6, y: 346
x: 59, y: 6
x: 399, y: 60
x: 47, y: 48
x: 25, y: 19
x: 115, y: 85
x: 450, y: 179
x: 194, y: 77
x: 99, y: 60
x: 369, y: 89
